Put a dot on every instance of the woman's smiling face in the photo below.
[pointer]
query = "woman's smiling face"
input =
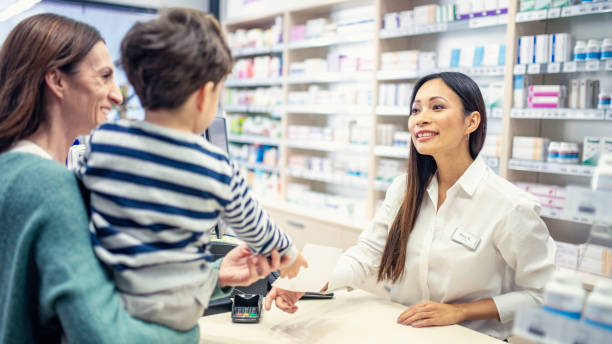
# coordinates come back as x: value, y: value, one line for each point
x: 437, y: 123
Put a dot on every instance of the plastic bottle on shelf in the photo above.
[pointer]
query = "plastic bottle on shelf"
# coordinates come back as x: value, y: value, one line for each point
x: 564, y: 295
x: 604, y: 100
x: 580, y: 50
x: 598, y: 309
x: 602, y: 177
x: 574, y: 154
x: 553, y: 151
x: 593, y: 50
x: 606, y: 49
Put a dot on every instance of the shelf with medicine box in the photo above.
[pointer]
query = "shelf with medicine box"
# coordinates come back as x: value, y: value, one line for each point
x: 476, y: 71
x: 254, y: 51
x: 328, y: 77
x: 335, y: 177
x: 556, y: 214
x: 262, y: 140
x: 398, y: 152
x: 434, y: 18
x: 393, y: 111
x: 348, y: 109
x: 258, y: 166
x: 528, y: 14
x: 330, y: 40
x: 594, y: 66
x: 469, y: 24
x: 560, y: 91
x: 273, y: 111
x: 256, y: 82
x: 561, y: 113
x: 328, y: 146
x: 550, y: 167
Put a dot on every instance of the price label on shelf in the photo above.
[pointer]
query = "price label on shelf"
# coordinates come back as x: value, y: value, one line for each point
x: 592, y: 66
x: 608, y: 65
x: 520, y: 69
x: 540, y: 15
x: 521, y: 17
x: 534, y: 69
x: 568, y: 11
x: 569, y: 67
x: 554, y: 68
x: 554, y: 13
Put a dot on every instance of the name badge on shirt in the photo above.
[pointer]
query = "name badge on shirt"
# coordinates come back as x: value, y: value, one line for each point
x: 466, y: 239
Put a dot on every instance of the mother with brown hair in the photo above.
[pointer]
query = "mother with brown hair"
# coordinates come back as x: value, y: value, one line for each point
x: 56, y: 82
x: 452, y: 240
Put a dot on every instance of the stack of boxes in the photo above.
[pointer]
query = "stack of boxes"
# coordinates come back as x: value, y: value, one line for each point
x: 408, y: 60
x: 446, y: 13
x: 551, y: 197
x: 535, y: 5
x: 594, y: 147
x: 546, y: 48
x: 394, y: 94
x: 547, y: 96
x: 529, y: 148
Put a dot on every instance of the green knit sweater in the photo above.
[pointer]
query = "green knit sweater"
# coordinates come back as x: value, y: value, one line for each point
x: 50, y: 279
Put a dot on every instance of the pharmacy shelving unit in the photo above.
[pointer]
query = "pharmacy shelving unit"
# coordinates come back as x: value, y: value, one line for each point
x: 304, y: 222
x: 275, y: 111
x: 583, y: 22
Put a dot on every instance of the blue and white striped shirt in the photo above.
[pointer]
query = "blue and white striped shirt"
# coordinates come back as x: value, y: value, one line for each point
x: 156, y: 194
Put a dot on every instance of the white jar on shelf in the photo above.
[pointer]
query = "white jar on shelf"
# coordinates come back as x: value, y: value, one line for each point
x: 598, y: 309
x: 553, y: 151
x: 580, y: 51
x: 568, y: 153
x: 606, y: 49
x: 593, y: 50
x: 604, y: 101
x: 564, y: 295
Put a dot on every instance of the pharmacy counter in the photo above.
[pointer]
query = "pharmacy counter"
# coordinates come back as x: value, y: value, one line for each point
x: 350, y: 317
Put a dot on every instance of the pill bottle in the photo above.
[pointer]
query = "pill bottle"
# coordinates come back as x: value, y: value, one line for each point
x: 606, y: 49
x: 553, y: 151
x: 593, y: 49
x: 580, y: 50
x: 604, y: 100
x: 598, y: 309
x: 564, y: 294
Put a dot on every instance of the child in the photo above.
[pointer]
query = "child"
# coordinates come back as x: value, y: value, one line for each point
x: 158, y: 187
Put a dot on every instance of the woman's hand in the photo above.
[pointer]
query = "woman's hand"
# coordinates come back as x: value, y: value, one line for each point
x: 432, y: 314
x: 284, y: 299
x: 240, y: 267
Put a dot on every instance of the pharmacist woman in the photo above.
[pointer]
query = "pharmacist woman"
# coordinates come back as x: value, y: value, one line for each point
x: 453, y: 241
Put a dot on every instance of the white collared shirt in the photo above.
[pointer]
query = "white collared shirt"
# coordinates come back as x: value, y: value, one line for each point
x: 511, y: 264
x: 26, y: 146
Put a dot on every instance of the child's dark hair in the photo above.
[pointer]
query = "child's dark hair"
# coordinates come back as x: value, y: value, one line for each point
x: 168, y: 58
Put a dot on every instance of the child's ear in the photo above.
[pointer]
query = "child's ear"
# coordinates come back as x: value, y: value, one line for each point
x: 54, y: 79
x: 205, y: 95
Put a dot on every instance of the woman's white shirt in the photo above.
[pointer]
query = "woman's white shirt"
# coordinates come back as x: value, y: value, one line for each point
x: 25, y: 146
x: 511, y: 264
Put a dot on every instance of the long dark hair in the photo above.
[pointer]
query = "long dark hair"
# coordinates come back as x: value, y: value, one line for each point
x: 36, y: 45
x: 421, y: 168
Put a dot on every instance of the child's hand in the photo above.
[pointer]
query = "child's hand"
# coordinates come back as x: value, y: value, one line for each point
x: 292, y: 270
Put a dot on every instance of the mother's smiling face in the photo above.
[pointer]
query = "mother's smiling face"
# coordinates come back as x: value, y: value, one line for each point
x: 91, y: 90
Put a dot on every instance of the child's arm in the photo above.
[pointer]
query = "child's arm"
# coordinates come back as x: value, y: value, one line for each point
x: 252, y: 224
x: 291, y: 270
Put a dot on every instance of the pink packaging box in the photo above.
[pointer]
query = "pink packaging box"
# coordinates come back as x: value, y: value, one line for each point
x: 297, y: 33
